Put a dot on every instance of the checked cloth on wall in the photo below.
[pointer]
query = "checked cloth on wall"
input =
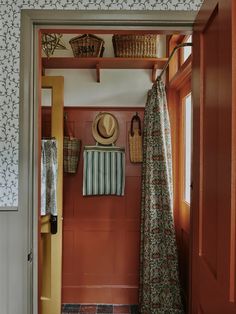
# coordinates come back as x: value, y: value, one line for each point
x: 104, y: 170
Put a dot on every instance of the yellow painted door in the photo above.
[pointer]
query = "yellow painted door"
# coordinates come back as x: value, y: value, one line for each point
x: 50, y: 245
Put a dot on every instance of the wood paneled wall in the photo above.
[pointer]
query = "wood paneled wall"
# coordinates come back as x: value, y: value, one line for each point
x: 101, y: 234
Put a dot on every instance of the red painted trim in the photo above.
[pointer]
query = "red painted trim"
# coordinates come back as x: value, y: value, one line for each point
x: 100, y: 31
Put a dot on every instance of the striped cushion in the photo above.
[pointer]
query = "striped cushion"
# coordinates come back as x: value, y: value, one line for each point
x: 104, y: 170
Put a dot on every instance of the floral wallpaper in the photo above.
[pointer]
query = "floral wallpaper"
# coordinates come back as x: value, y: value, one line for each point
x: 9, y: 70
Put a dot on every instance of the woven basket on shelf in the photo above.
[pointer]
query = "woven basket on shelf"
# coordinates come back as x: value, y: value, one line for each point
x: 139, y: 46
x: 87, y: 45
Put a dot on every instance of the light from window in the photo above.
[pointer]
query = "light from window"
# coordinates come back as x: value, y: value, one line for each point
x: 187, y: 50
x: 188, y: 142
x: 46, y: 97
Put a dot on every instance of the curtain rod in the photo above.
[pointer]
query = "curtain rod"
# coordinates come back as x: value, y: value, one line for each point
x: 171, y: 55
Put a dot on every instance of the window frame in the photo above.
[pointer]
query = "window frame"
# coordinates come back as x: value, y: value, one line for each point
x: 178, y: 86
x: 177, y: 61
x: 183, y: 94
x: 181, y: 51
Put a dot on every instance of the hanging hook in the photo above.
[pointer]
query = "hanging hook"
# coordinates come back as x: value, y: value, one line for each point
x: 135, y: 118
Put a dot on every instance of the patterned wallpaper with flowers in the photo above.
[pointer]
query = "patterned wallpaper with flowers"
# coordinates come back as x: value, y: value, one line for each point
x: 9, y: 70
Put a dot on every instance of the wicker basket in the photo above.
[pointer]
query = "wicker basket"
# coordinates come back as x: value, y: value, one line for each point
x: 139, y: 46
x: 135, y: 141
x: 87, y: 45
x: 71, y: 153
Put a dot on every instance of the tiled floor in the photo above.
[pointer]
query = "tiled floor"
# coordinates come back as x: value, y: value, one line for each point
x: 99, y: 309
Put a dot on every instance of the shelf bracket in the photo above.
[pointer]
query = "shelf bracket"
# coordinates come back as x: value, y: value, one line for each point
x: 154, y: 72
x: 98, y: 72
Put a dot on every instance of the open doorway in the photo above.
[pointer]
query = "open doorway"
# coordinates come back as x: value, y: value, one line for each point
x: 213, y: 218
x: 101, y: 236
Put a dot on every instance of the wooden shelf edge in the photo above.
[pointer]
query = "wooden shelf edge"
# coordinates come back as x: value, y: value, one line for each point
x: 104, y: 63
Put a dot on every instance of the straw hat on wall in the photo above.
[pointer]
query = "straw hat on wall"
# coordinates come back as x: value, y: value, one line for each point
x: 105, y: 128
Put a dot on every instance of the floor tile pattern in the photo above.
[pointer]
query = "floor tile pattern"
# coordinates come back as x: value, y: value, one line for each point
x: 99, y: 309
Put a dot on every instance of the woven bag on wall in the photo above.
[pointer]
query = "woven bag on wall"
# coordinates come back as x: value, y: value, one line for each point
x: 71, y: 151
x: 135, y: 141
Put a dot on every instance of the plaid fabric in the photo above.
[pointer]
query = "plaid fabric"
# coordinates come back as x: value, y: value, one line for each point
x: 71, y: 151
x: 104, y: 171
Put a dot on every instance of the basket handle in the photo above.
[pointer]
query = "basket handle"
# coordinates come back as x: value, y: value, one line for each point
x: 135, y: 118
x: 67, y: 130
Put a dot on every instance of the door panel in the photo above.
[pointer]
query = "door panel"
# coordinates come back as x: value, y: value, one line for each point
x: 210, y: 139
x: 50, y: 261
x: 213, y: 209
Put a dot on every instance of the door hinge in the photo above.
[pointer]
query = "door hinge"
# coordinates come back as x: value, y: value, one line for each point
x: 30, y: 257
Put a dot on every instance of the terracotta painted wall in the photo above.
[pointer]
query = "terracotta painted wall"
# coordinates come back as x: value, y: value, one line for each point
x: 101, y: 233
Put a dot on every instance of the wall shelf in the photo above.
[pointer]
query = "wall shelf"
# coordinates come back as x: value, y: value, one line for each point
x: 153, y: 64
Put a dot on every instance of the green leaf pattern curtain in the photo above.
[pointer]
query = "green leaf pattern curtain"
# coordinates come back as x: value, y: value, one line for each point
x: 159, y: 280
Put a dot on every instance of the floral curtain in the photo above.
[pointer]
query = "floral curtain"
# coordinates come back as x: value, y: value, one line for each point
x: 159, y: 280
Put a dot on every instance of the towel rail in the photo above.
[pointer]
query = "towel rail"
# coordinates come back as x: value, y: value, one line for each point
x: 171, y: 56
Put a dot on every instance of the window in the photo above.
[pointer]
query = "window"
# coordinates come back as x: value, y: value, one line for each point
x: 187, y: 50
x: 180, y: 57
x: 187, y: 146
